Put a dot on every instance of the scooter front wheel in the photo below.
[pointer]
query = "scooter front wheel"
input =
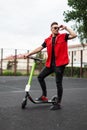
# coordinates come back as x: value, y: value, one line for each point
x: 24, y: 103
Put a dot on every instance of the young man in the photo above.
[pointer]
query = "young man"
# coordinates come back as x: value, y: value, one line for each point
x: 57, y: 51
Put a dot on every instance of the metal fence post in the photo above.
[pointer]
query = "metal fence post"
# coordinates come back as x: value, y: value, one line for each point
x: 1, y: 67
x: 72, y: 64
x: 81, y: 61
x: 27, y: 64
x: 15, y: 62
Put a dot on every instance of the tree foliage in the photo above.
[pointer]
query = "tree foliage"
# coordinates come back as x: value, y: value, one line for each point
x: 78, y: 13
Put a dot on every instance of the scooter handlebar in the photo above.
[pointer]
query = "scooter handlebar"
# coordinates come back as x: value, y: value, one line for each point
x: 36, y: 59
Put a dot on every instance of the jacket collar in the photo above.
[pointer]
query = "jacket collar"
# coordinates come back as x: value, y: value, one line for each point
x: 56, y: 35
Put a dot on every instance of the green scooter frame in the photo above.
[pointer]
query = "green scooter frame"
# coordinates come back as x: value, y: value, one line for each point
x: 27, y: 88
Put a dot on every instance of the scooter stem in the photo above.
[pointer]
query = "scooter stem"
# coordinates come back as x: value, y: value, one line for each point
x: 31, y: 73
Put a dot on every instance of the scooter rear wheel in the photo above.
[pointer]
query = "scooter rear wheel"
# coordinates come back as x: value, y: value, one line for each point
x: 54, y: 100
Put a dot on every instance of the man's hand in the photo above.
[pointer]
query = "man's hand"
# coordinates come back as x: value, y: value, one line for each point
x: 62, y: 27
x: 26, y: 55
x: 72, y: 34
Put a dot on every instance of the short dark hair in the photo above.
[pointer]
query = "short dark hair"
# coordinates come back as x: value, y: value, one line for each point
x: 54, y: 23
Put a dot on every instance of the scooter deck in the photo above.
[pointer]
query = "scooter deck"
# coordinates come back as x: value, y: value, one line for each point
x: 39, y: 102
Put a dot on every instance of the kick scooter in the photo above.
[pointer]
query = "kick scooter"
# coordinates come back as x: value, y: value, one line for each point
x: 27, y: 88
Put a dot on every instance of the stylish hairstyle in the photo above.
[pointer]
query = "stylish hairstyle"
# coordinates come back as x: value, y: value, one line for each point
x: 54, y: 23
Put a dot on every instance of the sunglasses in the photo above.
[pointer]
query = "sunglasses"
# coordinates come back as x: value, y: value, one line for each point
x: 56, y: 28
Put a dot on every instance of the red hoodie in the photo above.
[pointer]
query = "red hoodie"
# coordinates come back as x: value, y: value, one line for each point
x: 60, y: 49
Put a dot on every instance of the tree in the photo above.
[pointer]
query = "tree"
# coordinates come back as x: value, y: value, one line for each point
x: 9, y: 65
x: 78, y: 13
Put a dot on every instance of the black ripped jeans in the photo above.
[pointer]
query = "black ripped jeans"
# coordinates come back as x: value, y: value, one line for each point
x: 58, y: 76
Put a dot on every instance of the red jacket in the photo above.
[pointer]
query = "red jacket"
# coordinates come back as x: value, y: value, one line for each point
x: 60, y: 49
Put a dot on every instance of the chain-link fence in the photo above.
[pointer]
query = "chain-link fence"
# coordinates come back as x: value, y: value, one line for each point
x: 77, y: 66
x: 12, y: 62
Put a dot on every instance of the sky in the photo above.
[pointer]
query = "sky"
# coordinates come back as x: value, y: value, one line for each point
x: 24, y: 24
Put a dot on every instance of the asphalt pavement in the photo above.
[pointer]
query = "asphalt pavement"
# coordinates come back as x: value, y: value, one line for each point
x: 72, y: 116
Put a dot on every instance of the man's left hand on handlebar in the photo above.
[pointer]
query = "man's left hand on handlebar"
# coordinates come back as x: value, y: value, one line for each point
x: 26, y: 55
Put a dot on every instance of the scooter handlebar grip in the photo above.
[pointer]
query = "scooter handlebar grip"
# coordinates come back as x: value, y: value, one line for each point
x: 36, y: 59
